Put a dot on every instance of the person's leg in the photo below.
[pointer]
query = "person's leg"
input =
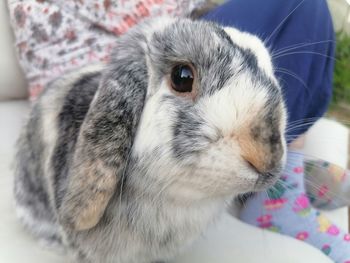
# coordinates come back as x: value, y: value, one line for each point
x: 285, y: 208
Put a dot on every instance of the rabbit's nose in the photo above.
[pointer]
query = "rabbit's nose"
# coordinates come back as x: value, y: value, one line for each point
x: 259, y: 163
x: 263, y: 155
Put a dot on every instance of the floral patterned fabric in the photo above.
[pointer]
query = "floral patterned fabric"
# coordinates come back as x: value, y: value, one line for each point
x: 56, y: 36
x: 285, y: 208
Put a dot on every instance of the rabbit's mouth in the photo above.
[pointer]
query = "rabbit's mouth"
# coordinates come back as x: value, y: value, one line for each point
x: 266, y: 180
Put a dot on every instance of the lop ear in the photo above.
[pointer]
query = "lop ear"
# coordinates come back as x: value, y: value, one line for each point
x: 105, y: 138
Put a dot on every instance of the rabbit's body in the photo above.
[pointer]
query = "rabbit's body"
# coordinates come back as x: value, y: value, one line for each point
x: 117, y: 167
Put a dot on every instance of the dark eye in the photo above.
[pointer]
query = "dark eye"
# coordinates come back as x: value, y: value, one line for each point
x: 182, y: 78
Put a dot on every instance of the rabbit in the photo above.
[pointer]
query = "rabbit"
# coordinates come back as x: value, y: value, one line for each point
x: 131, y: 161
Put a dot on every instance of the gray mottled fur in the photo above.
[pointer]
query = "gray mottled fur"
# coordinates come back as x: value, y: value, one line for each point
x: 75, y: 150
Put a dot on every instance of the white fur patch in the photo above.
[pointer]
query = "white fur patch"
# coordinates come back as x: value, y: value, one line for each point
x: 234, y: 105
x: 156, y: 122
x: 255, y: 45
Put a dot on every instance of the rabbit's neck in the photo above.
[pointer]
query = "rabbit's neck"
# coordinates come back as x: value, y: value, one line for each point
x: 157, y: 220
x: 146, y: 231
x: 171, y: 225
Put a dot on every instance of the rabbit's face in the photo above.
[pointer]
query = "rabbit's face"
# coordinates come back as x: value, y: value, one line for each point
x: 214, y: 118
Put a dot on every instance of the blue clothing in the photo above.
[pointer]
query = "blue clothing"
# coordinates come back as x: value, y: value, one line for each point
x: 308, y: 92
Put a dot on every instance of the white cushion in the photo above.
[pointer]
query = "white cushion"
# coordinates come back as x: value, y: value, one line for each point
x: 12, y: 83
x: 232, y: 241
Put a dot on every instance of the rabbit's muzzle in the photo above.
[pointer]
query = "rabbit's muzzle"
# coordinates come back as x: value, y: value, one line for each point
x: 262, y: 146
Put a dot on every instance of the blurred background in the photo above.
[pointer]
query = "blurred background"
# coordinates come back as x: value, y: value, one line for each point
x: 340, y: 106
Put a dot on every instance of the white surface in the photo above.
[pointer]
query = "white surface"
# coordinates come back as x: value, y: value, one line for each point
x: 232, y: 241
x: 12, y: 83
x: 16, y: 246
x: 228, y: 241
x: 324, y: 135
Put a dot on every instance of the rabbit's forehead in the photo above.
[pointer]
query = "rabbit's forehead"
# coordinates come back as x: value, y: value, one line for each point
x: 218, y: 54
x: 252, y: 44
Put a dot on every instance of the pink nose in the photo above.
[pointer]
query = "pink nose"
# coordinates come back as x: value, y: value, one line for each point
x: 255, y: 155
x: 258, y: 154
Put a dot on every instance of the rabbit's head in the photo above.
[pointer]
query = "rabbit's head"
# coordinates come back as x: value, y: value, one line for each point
x: 213, y: 119
x: 186, y: 108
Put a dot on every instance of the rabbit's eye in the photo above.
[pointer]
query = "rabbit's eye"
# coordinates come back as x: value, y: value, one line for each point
x: 182, y: 78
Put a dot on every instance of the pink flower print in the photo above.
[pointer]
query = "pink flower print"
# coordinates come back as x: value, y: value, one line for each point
x: 121, y: 29
x: 129, y: 20
x: 302, y: 205
x: 326, y: 249
x: 105, y: 59
x: 333, y: 230
x: 73, y: 61
x: 142, y: 10
x: 274, y: 204
x: 264, y: 221
x: 347, y: 238
x: 298, y: 170
x: 264, y: 218
x: 302, y: 235
x: 92, y: 55
x: 302, y: 201
x: 111, y: 15
x: 22, y: 47
x: 35, y: 90
x: 323, y: 191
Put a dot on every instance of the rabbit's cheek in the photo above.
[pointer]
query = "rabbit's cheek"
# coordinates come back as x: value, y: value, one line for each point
x: 221, y: 170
